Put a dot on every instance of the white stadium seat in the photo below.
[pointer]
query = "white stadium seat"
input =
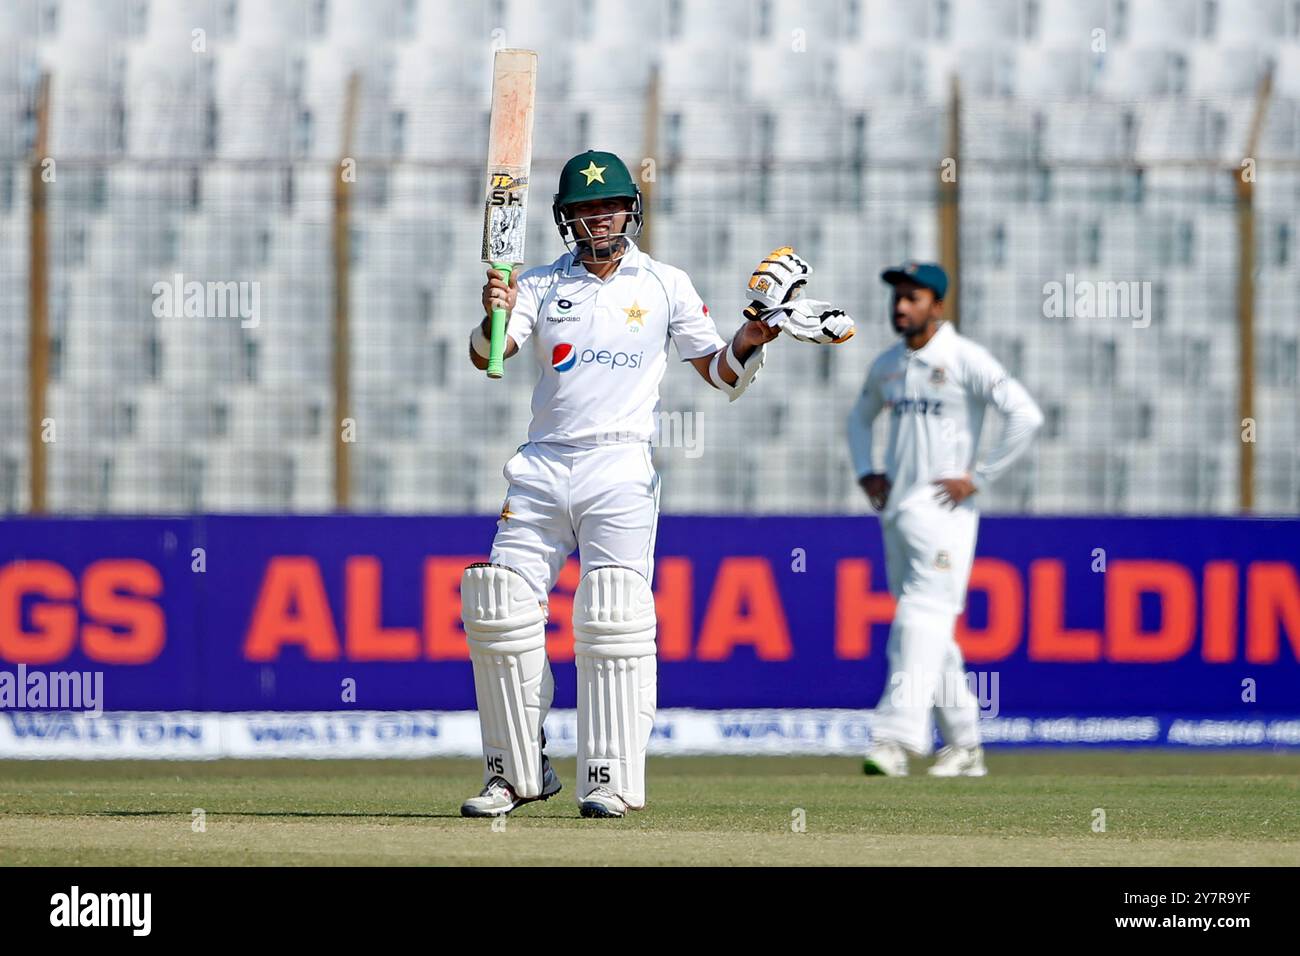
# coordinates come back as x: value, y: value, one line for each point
x: 172, y: 24
x: 1133, y: 73
x: 1251, y: 22
x: 168, y: 90
x: 997, y: 131
x: 93, y: 19
x: 19, y: 18
x: 283, y: 23
x: 781, y: 76
x: 534, y: 26
x: 709, y: 132
x: 708, y: 21
x: 364, y: 22
x: 978, y: 22
x: 1163, y: 21
x: 1087, y: 131
x: 704, y: 73
x: 621, y: 20
x: 1227, y: 71
x: 256, y: 90
x: 324, y: 95
x: 1069, y: 24
x: 243, y: 478
x: 870, y: 72
x: 887, y: 22
x: 451, y: 23
x: 1054, y: 73
x: 86, y: 95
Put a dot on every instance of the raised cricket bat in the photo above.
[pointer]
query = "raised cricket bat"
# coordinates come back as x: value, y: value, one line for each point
x: 510, y: 154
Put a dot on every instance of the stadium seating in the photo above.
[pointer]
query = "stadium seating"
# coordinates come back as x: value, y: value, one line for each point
x: 821, y: 124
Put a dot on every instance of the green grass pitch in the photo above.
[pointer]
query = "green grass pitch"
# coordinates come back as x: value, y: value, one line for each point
x: 1036, y: 807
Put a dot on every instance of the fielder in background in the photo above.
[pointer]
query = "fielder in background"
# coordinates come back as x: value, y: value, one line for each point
x: 936, y: 385
x: 601, y: 317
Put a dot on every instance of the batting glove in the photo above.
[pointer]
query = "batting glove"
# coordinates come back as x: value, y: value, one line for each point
x: 777, y: 281
x: 810, y: 320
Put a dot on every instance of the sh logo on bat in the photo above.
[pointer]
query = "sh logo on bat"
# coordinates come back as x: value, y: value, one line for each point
x: 506, y: 190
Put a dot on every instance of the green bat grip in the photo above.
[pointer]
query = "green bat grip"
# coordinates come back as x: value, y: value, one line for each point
x: 497, y: 344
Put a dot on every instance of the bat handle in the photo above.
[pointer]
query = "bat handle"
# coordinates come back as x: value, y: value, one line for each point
x: 497, y: 342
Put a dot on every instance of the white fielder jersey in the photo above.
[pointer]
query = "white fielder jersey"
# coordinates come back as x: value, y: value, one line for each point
x: 602, y: 346
x: 936, y: 397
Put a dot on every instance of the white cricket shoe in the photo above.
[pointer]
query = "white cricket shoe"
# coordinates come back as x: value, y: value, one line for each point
x: 959, y: 762
x: 885, y: 759
x: 602, y: 803
x: 498, y: 798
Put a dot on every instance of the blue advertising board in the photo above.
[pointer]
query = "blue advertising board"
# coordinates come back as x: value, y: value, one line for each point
x: 1067, y: 616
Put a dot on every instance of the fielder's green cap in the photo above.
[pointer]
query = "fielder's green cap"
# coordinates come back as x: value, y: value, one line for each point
x: 594, y: 174
x: 928, y: 275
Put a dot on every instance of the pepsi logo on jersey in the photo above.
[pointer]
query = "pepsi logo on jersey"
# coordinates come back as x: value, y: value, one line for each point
x: 565, y: 356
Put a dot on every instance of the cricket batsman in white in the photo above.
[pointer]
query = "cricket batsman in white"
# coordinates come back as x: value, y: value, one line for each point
x: 936, y: 385
x: 601, y: 317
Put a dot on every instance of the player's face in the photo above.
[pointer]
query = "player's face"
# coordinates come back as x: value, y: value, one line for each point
x: 599, y: 225
x: 914, y: 307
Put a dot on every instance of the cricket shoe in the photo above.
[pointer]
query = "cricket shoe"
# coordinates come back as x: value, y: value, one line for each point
x: 498, y: 798
x: 885, y: 759
x: 959, y: 762
x: 602, y: 803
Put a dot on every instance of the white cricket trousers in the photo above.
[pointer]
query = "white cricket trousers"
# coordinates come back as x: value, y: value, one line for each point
x: 929, y: 550
x: 602, y: 500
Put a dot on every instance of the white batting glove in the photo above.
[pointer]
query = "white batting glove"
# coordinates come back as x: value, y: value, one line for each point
x: 777, y: 281
x: 810, y: 320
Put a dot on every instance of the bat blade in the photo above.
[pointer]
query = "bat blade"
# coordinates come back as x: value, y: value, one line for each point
x: 510, y: 156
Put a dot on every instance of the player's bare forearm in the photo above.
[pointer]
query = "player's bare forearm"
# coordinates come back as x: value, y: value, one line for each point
x: 747, y: 338
x: 750, y: 336
x: 743, y: 344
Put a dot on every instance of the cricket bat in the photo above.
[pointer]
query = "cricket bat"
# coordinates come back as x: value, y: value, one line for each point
x: 510, y: 154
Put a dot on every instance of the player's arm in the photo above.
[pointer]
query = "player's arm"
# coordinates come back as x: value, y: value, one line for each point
x: 861, y: 418
x: 726, y: 366
x: 1021, y: 417
x: 748, y: 338
x: 774, y: 291
x: 496, y: 294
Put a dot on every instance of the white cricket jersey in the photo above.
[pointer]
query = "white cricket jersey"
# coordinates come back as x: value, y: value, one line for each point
x: 936, y: 397
x: 602, y: 346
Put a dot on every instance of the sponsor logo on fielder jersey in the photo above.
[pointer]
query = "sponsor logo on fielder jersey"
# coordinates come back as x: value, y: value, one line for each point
x: 566, y: 356
x: 921, y: 406
x: 937, y: 377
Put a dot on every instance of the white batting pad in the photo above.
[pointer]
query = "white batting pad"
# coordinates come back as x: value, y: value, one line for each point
x: 614, y: 646
x: 512, y: 677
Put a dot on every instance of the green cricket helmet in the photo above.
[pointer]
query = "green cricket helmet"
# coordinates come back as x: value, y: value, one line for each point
x: 596, y: 174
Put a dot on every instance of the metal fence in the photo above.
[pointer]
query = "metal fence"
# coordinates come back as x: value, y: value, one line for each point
x: 290, y: 334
